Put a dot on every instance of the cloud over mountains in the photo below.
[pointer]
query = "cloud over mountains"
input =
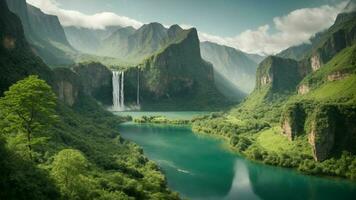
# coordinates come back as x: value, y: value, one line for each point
x: 292, y: 29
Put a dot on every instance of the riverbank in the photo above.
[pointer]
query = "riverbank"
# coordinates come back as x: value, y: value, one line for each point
x: 261, y: 142
x: 264, y: 143
x: 199, y: 166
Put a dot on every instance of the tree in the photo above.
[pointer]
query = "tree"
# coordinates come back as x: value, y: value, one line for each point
x: 68, y: 170
x: 28, y: 108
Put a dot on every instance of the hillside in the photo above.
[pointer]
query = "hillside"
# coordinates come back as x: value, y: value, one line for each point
x: 187, y: 83
x: 44, y: 33
x: 301, y: 113
x: 97, y: 164
x: 231, y: 68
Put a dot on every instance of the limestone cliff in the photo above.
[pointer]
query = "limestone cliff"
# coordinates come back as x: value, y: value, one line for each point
x: 68, y: 85
x: 97, y: 81
x: 282, y: 75
x: 292, y: 120
x: 176, y: 75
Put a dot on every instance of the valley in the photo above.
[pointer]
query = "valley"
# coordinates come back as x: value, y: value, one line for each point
x: 103, y: 107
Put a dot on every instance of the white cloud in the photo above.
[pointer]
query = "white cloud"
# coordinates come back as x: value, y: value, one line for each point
x: 292, y: 29
x: 295, y: 28
x: 76, y: 18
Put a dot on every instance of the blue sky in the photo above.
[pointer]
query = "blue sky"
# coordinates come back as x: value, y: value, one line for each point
x: 254, y: 26
x: 218, y: 17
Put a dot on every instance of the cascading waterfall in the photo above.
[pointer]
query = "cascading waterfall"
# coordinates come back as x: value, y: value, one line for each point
x: 118, y: 90
x: 138, y: 88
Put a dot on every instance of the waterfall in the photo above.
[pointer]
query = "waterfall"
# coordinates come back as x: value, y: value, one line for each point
x: 118, y: 90
x: 138, y: 87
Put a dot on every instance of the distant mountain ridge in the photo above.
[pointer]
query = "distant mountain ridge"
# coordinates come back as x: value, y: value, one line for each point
x: 88, y: 40
x: 232, y: 67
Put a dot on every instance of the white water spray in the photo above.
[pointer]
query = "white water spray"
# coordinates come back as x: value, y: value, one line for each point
x: 118, y: 90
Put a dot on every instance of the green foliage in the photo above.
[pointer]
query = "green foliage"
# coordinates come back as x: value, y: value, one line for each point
x: 28, y: 110
x: 68, y: 168
x: 160, y: 120
x: 21, y: 179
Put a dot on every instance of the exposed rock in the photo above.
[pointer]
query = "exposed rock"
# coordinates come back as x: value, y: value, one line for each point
x: 178, y: 74
x: 292, y: 121
x: 322, y: 133
x: 281, y: 73
x: 337, y: 76
x: 97, y: 81
x: 332, y: 130
x: 68, y: 85
x: 303, y: 89
x: 266, y: 80
x: 315, y: 62
x: 66, y: 92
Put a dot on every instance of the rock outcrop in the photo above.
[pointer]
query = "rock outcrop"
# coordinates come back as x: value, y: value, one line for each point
x: 315, y: 62
x: 337, y: 76
x: 178, y: 74
x: 68, y: 85
x: 43, y: 32
x: 97, y: 81
x: 330, y: 128
x: 303, y: 89
x: 292, y: 121
x: 283, y: 75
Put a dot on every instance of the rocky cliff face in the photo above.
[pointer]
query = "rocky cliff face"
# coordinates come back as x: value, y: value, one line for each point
x: 43, y: 32
x: 283, y: 75
x: 330, y: 127
x: 339, y: 36
x: 177, y: 74
x: 68, y: 85
x: 292, y: 121
x: 17, y: 61
x: 97, y: 81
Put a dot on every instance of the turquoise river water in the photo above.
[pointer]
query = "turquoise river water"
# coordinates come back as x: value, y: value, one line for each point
x: 202, y: 167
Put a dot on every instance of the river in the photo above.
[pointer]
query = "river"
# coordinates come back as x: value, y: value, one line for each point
x: 202, y: 167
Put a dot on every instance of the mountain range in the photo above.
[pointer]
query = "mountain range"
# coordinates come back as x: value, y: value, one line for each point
x: 44, y: 33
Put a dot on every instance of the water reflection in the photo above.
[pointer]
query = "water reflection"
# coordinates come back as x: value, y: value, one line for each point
x: 241, y: 187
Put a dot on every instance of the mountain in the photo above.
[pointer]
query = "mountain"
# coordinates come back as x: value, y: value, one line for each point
x: 81, y: 126
x: 231, y: 67
x: 133, y: 46
x: 16, y: 57
x: 300, y: 52
x: 88, y: 40
x: 44, y: 33
x: 301, y: 113
x: 175, y: 78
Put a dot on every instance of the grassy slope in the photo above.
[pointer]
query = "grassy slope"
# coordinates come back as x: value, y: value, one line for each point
x: 244, y: 125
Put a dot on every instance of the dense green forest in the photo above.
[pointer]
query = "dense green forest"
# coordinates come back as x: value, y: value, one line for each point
x: 55, y: 146
x: 59, y: 141
x: 300, y: 115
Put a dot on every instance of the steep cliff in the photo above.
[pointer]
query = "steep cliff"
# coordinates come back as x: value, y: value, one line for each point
x: 339, y: 36
x: 281, y: 75
x: 44, y: 33
x: 69, y: 85
x: 176, y: 76
x: 16, y: 57
x: 97, y: 81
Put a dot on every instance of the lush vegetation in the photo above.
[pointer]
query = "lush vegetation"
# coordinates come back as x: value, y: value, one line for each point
x: 254, y: 128
x: 77, y: 155
x: 160, y: 120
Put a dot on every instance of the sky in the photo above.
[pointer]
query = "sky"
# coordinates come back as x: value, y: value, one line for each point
x: 253, y: 26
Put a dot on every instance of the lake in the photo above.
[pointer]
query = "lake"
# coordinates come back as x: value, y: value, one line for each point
x: 202, y: 167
